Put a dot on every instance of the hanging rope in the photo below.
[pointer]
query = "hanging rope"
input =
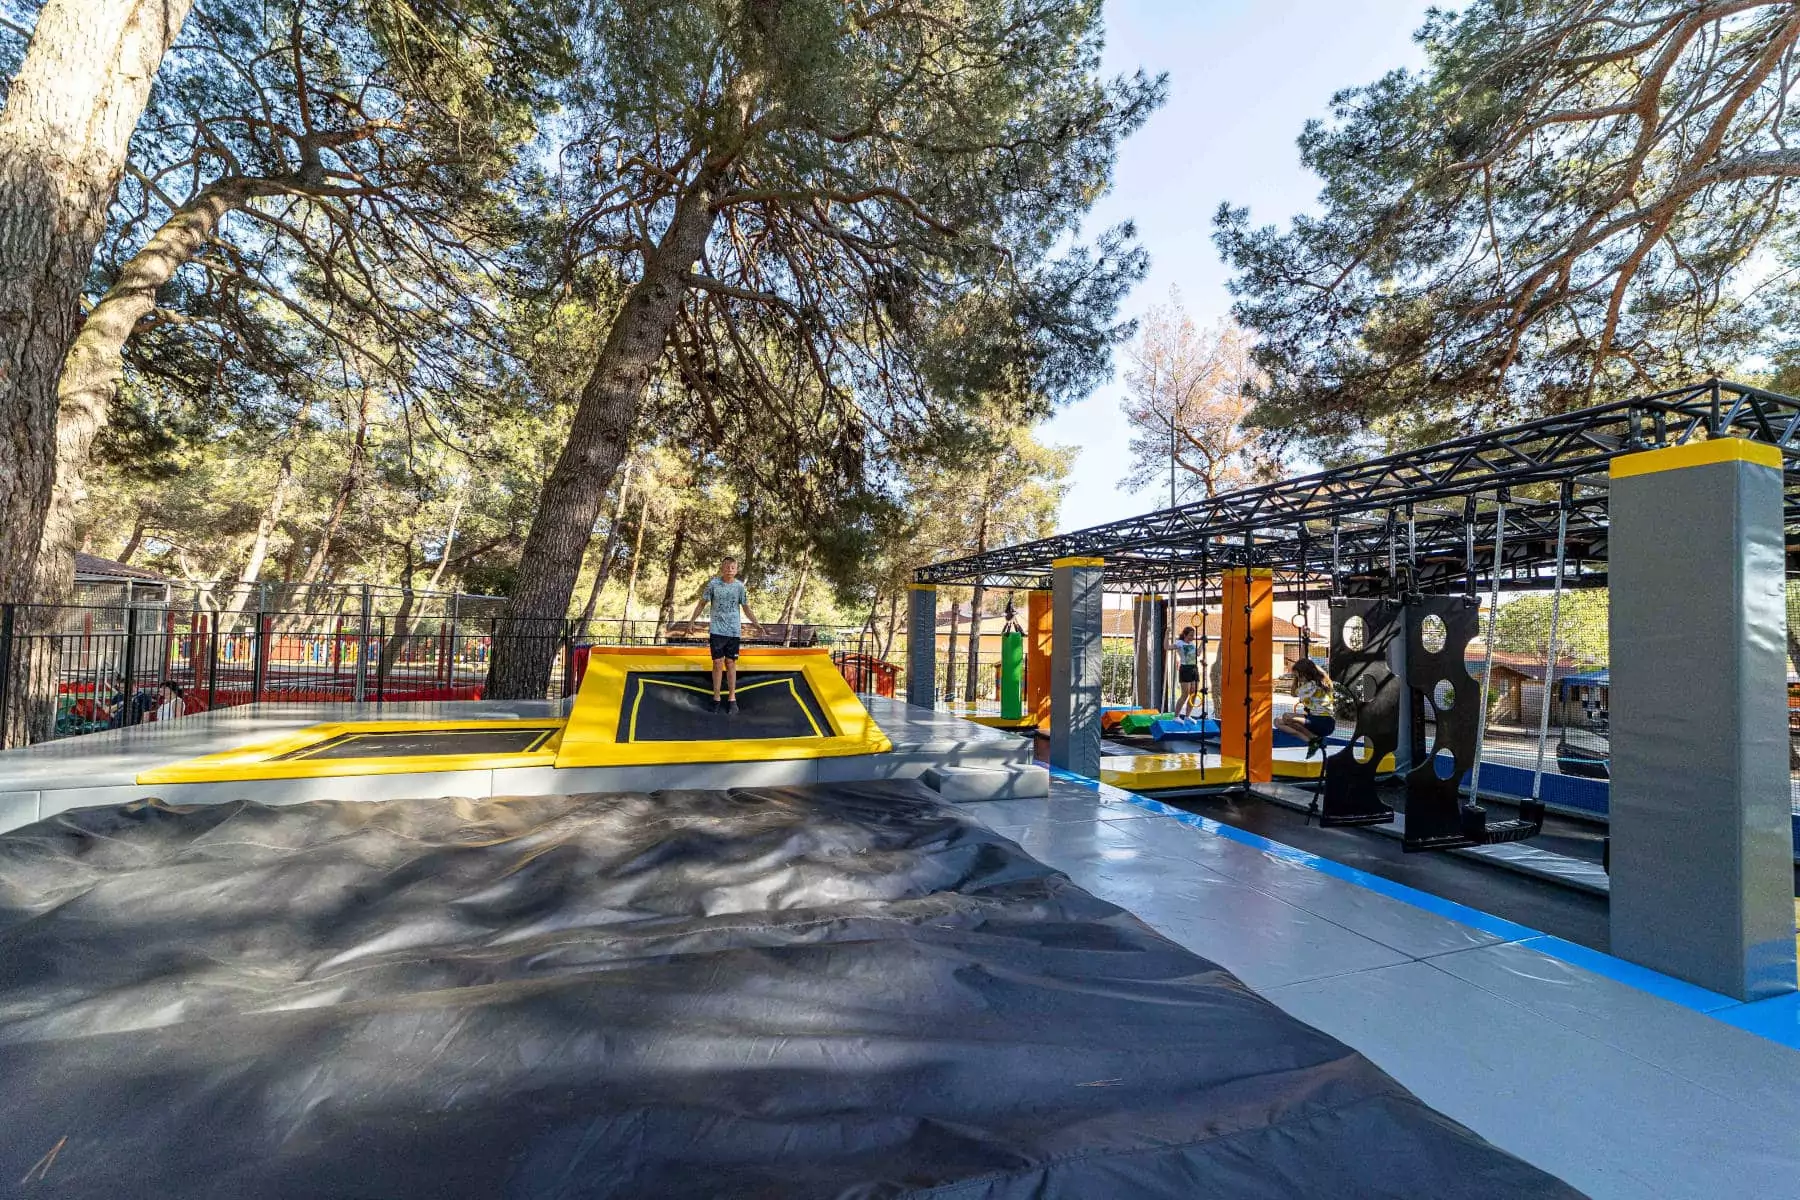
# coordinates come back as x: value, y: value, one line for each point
x: 1562, y: 538
x: 1205, y: 678
x: 1302, y: 620
x: 1487, y: 666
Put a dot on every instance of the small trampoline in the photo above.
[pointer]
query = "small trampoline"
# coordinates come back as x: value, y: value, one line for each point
x: 675, y: 706
x: 398, y: 743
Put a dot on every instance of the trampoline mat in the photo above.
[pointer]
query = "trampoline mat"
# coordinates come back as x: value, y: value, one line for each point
x: 507, y: 739
x: 676, y: 706
x: 802, y: 992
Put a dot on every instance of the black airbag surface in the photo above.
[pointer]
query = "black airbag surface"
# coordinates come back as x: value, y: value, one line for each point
x: 803, y: 992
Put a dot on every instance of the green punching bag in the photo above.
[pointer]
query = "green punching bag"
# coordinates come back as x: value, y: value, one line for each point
x: 1012, y: 675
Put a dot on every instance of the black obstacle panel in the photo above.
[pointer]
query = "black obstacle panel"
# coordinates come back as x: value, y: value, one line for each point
x: 1438, y: 632
x: 426, y: 743
x: 1361, y: 633
x: 804, y: 992
x: 676, y: 706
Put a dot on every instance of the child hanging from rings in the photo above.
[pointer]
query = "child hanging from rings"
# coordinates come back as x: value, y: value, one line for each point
x: 1311, y: 720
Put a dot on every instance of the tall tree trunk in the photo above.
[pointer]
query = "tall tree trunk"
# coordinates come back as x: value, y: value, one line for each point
x: 610, y: 551
x: 259, y: 545
x: 950, y: 669
x: 971, y: 686
x: 887, y: 641
x: 340, y: 502
x: 747, y: 569
x: 791, y: 609
x: 437, y: 576
x: 981, y: 537
x: 599, y: 438
x: 94, y: 365
x: 70, y: 111
x: 69, y: 115
x: 666, y: 611
x: 134, y: 541
x: 637, y: 555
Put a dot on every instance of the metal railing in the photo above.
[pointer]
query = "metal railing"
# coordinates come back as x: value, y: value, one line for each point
x: 79, y: 668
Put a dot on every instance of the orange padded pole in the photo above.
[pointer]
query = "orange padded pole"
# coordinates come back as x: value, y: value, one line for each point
x: 1249, y: 605
x: 1037, y: 656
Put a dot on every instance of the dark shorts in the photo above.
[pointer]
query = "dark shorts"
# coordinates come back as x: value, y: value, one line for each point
x: 724, y: 647
x: 1320, y: 726
x: 1187, y: 673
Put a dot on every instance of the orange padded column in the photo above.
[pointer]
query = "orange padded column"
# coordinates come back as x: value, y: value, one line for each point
x: 1249, y: 608
x: 1037, y: 656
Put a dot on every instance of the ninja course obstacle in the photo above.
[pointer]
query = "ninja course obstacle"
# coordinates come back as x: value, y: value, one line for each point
x: 841, y: 944
x: 1679, y: 503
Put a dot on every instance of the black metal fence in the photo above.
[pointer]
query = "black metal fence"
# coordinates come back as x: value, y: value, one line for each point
x: 79, y: 668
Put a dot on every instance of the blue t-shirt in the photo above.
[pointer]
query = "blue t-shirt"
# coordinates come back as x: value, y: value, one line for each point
x: 727, y: 600
x: 1187, y: 653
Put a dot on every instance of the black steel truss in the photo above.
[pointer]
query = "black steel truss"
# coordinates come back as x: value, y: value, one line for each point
x: 1415, y: 507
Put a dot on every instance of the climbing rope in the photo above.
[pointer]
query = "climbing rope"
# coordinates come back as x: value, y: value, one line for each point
x: 1562, y: 538
x: 1487, y: 666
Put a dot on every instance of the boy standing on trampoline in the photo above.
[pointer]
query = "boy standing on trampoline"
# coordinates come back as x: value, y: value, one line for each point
x: 726, y: 593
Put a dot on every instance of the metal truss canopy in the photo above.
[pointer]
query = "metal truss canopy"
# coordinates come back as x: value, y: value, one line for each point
x: 1417, y: 508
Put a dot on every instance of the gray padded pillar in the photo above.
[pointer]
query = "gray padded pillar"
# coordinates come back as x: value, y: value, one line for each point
x: 1075, y: 665
x: 1702, y: 845
x: 921, y: 645
x: 1149, y: 646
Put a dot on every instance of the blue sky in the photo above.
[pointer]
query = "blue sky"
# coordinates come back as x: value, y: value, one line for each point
x: 1244, y: 77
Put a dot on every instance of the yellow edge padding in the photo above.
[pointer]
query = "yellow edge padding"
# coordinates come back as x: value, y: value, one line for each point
x: 591, y: 738
x: 1696, y: 454
x: 921, y: 587
x: 252, y: 761
x: 1155, y: 771
x: 1078, y: 561
x: 993, y: 722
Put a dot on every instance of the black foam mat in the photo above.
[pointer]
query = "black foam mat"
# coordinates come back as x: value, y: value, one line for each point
x: 846, y: 991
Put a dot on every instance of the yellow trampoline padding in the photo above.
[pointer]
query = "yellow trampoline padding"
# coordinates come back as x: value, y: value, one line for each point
x: 1290, y: 762
x: 264, y: 759
x: 591, y: 738
x: 1150, y: 772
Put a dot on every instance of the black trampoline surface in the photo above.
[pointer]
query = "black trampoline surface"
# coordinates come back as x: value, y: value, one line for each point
x: 826, y: 991
x: 676, y: 706
x: 508, y: 739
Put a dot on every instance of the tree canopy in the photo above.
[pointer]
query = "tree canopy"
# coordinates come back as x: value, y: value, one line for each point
x: 1572, y: 198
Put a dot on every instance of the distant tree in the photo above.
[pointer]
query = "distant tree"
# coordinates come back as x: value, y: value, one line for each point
x: 884, y: 191
x: 1522, y: 626
x: 1573, y: 198
x: 1188, y: 399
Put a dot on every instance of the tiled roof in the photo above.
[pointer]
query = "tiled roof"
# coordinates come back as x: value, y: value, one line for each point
x: 88, y: 565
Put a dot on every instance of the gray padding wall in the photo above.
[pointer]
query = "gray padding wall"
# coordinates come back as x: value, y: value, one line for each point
x: 921, y: 647
x: 1075, y: 614
x: 1702, y: 853
x: 1149, y: 639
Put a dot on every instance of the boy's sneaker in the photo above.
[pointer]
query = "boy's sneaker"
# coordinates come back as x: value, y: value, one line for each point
x: 731, y: 708
x: 1316, y: 746
x: 716, y: 704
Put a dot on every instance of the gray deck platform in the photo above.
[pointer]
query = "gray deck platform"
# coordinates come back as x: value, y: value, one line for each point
x: 1621, y: 1092
x: 100, y: 768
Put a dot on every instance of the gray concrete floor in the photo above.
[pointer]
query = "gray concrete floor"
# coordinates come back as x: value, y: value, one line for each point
x: 1618, y: 1091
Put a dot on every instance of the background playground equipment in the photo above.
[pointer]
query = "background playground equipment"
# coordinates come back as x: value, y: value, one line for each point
x: 1415, y: 541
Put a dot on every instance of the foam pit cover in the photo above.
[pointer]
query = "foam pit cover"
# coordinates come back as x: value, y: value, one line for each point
x: 807, y: 992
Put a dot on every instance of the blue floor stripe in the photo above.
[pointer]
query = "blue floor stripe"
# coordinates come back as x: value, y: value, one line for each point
x: 1778, y: 1020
